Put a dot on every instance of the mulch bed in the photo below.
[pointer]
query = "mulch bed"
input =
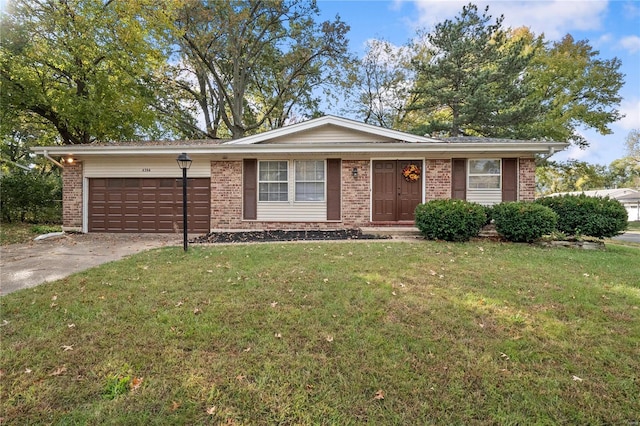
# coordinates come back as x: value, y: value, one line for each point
x: 276, y: 235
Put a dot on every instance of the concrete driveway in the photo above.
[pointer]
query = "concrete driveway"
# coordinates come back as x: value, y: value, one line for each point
x: 28, y: 265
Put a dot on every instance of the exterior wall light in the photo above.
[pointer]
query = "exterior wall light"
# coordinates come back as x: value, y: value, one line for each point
x: 354, y: 172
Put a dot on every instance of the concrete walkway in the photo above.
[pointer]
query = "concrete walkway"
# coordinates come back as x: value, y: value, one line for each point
x: 36, y: 262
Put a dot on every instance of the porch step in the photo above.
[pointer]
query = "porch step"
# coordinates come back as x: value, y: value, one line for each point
x: 489, y: 231
x: 392, y: 231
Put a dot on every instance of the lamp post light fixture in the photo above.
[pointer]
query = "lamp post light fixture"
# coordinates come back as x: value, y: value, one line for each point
x: 184, y: 162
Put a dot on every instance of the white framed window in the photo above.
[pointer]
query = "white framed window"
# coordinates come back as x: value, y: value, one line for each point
x: 309, y: 180
x: 485, y: 174
x: 273, y: 181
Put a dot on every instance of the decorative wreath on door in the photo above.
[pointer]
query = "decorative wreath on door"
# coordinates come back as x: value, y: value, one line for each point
x: 411, y: 173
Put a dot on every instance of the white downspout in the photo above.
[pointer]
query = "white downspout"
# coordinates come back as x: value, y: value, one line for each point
x: 46, y: 155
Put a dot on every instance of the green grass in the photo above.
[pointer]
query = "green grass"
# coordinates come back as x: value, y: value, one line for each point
x: 12, y: 233
x: 476, y: 333
x: 634, y: 226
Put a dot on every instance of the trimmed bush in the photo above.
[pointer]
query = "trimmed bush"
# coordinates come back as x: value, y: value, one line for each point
x: 522, y: 221
x: 600, y: 217
x: 450, y: 220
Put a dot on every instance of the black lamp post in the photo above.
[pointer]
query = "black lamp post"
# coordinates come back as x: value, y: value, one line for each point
x: 184, y: 162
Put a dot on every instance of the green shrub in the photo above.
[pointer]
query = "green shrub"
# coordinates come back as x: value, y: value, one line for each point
x: 522, y: 221
x: 598, y: 217
x: 31, y: 197
x: 450, y: 220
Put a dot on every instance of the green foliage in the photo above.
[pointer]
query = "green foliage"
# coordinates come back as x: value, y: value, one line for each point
x: 90, y: 69
x: 472, y: 69
x: 573, y: 88
x: 476, y: 78
x: 31, y: 197
x: 598, y: 217
x: 450, y: 220
x: 258, y: 63
x: 522, y: 221
x: 116, y: 385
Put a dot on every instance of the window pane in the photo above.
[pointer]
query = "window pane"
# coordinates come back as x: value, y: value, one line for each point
x: 310, y: 191
x: 309, y: 180
x: 491, y: 167
x: 484, y: 182
x: 273, y: 192
x: 273, y: 182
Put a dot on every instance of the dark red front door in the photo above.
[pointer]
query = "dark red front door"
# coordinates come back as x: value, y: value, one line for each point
x: 394, y: 198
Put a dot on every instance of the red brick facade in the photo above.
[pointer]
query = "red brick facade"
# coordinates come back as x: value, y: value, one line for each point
x: 227, y: 194
x: 527, y: 179
x: 437, y: 179
x: 72, y: 197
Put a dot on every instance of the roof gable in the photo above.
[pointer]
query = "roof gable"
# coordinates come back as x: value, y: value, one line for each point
x: 330, y: 129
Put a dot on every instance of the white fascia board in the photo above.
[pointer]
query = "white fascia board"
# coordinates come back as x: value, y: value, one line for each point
x: 441, y: 148
x: 330, y: 120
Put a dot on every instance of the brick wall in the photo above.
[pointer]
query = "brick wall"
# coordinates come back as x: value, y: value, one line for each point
x: 356, y: 194
x: 226, y: 199
x: 72, y: 197
x: 226, y: 195
x: 527, y: 179
x: 437, y: 179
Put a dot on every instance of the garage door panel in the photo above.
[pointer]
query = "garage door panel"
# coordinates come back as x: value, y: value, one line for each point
x: 147, y: 205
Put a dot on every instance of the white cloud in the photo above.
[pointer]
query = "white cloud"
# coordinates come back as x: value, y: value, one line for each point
x: 631, y: 43
x: 631, y: 109
x: 554, y: 18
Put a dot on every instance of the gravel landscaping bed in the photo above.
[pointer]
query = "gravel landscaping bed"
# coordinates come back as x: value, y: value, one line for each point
x: 276, y: 235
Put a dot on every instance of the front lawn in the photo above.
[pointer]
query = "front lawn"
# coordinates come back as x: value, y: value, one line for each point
x: 330, y: 333
x: 13, y: 233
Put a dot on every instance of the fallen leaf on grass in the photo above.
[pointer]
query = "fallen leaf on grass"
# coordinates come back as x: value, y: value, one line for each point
x: 58, y: 371
x: 211, y: 410
x: 197, y: 311
x: 71, y: 325
x: 247, y: 349
x: 278, y: 335
x: 27, y: 370
x: 54, y: 297
x: 66, y: 348
x: 135, y: 383
x: 274, y: 304
x: 329, y: 338
x: 174, y: 405
x: 576, y: 379
x: 379, y: 394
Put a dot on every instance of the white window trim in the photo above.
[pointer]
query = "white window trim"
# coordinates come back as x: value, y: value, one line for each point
x: 291, y: 183
x: 469, y: 174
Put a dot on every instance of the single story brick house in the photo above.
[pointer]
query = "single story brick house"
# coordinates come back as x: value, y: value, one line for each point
x: 325, y: 173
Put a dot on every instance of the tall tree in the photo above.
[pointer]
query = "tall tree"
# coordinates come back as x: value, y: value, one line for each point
x: 573, y: 89
x: 253, y: 62
x: 472, y: 72
x: 632, y: 143
x: 384, y: 84
x: 89, y: 68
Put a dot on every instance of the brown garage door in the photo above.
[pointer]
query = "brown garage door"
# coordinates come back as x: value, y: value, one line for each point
x: 147, y: 205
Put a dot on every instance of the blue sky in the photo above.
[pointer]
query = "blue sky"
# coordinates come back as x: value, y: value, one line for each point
x: 611, y: 27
